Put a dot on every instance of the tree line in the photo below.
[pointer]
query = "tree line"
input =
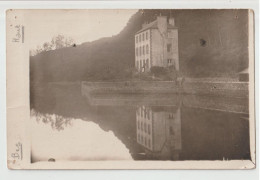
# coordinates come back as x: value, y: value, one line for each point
x: 57, y: 42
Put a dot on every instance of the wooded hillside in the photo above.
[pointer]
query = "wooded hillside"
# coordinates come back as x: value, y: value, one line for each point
x: 225, y: 33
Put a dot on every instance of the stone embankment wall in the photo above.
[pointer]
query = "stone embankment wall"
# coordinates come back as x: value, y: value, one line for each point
x: 227, y: 89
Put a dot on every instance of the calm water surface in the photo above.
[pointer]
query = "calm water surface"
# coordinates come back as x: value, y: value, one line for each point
x: 69, y: 127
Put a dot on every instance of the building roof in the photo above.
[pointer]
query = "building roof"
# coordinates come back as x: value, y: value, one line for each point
x: 245, y: 71
x: 153, y: 25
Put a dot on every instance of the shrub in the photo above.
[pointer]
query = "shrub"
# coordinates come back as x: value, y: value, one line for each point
x: 157, y: 71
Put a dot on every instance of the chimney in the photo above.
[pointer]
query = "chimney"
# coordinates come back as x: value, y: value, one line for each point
x: 162, y: 23
x: 171, y: 21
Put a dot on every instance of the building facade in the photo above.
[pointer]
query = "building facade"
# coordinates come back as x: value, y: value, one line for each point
x: 156, y: 44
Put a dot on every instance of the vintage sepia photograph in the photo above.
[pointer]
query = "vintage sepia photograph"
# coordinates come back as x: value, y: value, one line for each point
x: 138, y: 85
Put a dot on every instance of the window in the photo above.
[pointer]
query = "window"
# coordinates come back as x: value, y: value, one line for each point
x: 147, y: 63
x: 140, y: 68
x: 140, y: 50
x: 143, y: 50
x: 147, y: 49
x: 136, y: 51
x: 141, y: 125
x: 136, y: 39
x: 143, y: 36
x: 169, y: 47
x: 143, y: 63
x: 139, y: 37
x: 169, y: 61
x: 149, y: 130
x: 137, y: 64
x: 171, y: 130
x: 146, y: 35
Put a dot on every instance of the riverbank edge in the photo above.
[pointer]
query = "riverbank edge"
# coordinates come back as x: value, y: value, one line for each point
x: 218, y: 89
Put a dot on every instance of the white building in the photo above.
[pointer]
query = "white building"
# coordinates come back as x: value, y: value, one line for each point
x: 156, y: 44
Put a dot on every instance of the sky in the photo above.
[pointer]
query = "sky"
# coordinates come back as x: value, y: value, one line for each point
x: 80, y: 25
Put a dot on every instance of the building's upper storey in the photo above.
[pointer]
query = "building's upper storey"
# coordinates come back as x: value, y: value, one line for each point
x: 142, y: 37
x: 160, y: 23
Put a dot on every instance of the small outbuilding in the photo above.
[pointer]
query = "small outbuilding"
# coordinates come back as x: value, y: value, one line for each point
x: 244, y: 75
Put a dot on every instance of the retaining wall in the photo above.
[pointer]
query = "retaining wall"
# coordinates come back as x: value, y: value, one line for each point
x: 228, y: 89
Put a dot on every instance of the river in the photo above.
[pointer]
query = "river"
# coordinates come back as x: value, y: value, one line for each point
x: 69, y: 127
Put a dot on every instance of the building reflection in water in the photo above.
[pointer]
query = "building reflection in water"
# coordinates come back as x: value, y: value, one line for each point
x: 159, y: 131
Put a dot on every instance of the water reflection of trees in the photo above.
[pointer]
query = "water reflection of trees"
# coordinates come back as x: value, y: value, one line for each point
x: 57, y: 122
